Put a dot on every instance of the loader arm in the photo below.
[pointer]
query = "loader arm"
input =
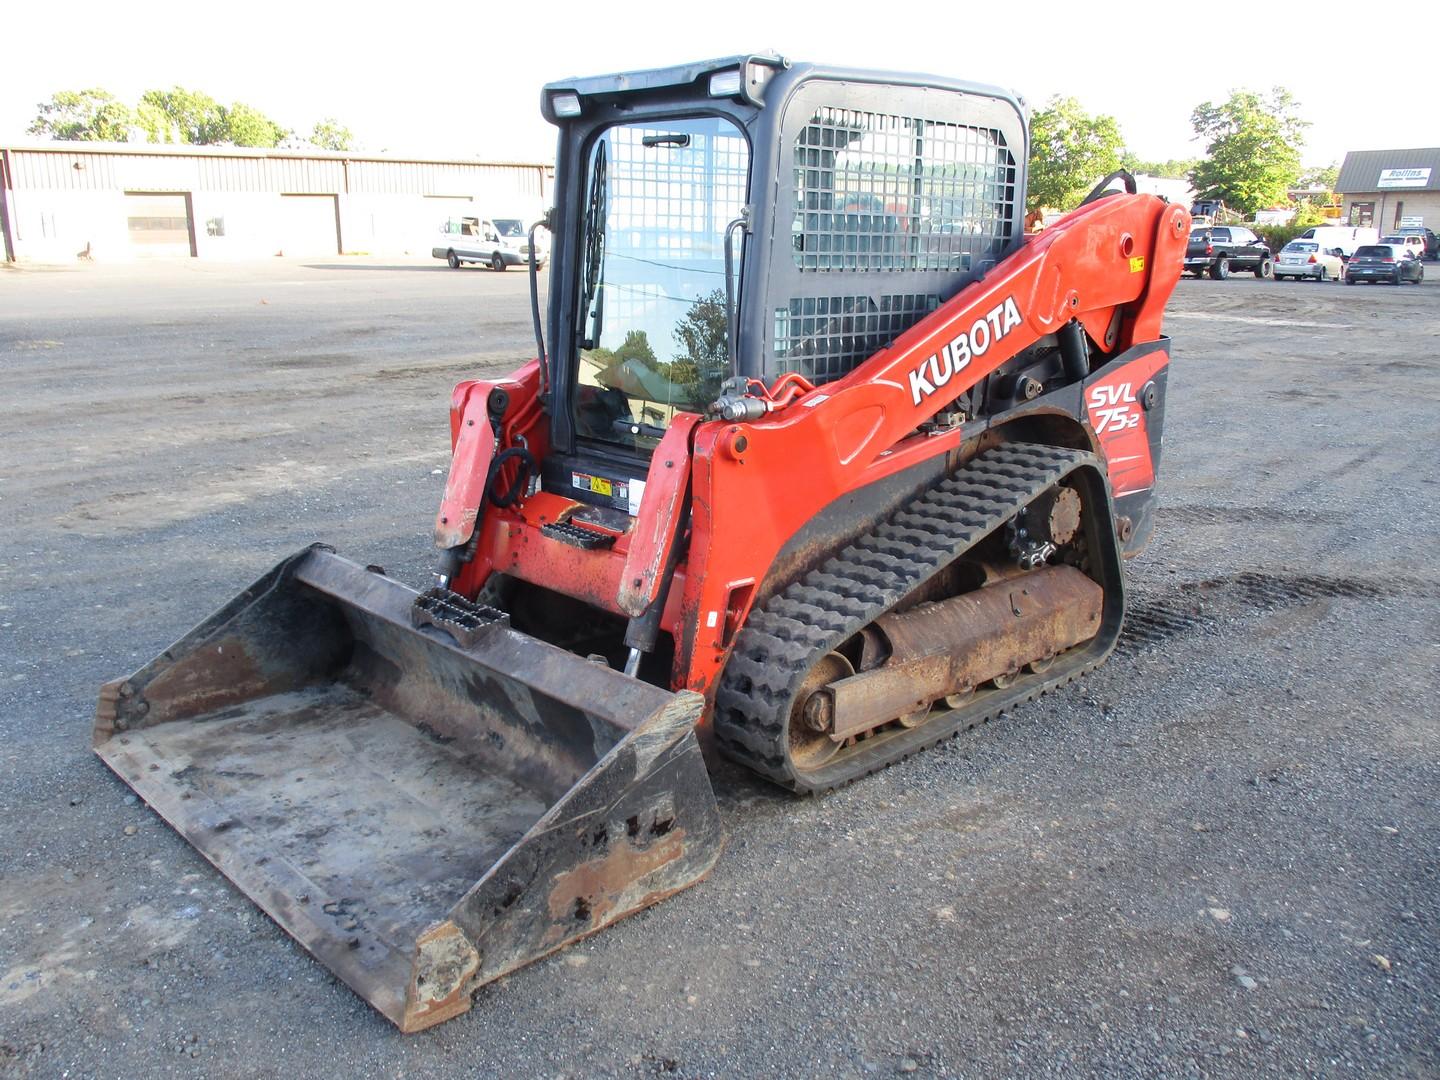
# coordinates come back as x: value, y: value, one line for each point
x: 1108, y: 268
x: 1110, y: 265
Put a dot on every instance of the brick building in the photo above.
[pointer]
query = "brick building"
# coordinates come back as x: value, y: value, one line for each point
x: 1391, y: 189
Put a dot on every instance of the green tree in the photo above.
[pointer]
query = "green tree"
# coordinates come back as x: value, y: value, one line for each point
x: 1070, y: 152
x: 1252, y: 150
x: 245, y: 125
x: 330, y: 134
x: 176, y: 115
x: 702, y: 338
x: 182, y: 116
x: 155, y: 124
x: 1170, y: 169
x: 1320, y: 179
x: 636, y: 346
x: 1315, y: 195
x: 191, y: 116
x: 88, y: 115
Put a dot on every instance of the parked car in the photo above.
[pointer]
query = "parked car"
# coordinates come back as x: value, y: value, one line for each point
x: 1410, y: 241
x: 1384, y: 262
x: 1432, y: 242
x: 1307, y: 259
x: 1345, y: 237
x: 499, y: 243
x: 1220, y: 249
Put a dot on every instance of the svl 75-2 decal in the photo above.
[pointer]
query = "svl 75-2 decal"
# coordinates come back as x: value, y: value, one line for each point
x: 1113, y: 407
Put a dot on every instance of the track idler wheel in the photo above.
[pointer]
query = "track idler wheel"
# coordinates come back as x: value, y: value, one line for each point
x: 813, y: 715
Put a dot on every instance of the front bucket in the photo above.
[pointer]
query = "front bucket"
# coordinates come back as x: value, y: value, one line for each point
x: 422, y: 816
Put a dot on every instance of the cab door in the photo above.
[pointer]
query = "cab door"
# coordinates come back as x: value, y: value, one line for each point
x: 1247, y: 247
x: 468, y: 243
x: 489, y: 239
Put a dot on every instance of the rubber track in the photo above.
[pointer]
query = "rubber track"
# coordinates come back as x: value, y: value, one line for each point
x: 796, y: 627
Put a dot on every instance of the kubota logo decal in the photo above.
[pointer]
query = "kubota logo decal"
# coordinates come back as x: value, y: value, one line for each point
x: 932, y: 373
x: 1113, y: 408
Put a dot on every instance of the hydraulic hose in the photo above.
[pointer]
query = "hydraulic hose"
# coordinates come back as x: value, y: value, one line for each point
x: 731, y: 345
x: 453, y: 558
x: 535, y: 307
x: 517, y: 486
x: 1103, y: 188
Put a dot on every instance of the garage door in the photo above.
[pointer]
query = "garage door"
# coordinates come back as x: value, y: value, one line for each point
x: 158, y: 224
x: 308, y: 225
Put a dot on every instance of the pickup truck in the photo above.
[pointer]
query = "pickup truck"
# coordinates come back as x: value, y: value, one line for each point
x: 1218, y: 250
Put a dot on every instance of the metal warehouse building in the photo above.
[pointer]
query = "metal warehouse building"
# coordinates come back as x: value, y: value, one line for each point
x: 1391, y: 189
x: 117, y: 201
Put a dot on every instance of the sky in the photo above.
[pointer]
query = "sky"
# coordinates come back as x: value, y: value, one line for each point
x: 463, y: 80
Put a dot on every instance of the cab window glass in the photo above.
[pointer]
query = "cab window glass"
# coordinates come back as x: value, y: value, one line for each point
x: 654, y: 338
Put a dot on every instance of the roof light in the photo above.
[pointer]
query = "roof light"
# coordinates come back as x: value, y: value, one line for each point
x: 566, y: 104
x: 725, y: 83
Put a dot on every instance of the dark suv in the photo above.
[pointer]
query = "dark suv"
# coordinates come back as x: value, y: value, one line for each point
x: 1383, y: 262
x: 1218, y: 250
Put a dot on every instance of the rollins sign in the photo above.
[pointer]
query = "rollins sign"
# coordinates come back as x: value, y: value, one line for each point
x: 1403, y: 178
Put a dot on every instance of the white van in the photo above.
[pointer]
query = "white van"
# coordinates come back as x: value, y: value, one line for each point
x: 499, y: 243
x: 1345, y: 238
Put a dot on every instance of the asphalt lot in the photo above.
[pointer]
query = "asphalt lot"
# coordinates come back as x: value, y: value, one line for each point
x: 1218, y: 855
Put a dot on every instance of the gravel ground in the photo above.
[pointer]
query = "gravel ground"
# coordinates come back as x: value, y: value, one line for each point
x: 1215, y: 856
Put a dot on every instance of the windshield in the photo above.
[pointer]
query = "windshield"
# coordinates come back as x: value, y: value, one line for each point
x: 653, y: 339
x: 1375, y: 251
x: 1302, y: 246
x: 509, y: 226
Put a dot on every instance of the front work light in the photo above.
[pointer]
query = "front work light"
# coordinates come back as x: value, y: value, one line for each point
x: 569, y: 104
x: 725, y: 83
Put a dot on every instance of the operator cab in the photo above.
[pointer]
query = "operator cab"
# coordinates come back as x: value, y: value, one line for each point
x: 751, y: 217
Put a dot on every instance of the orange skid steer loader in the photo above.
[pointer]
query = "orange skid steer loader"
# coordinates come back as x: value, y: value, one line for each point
x: 819, y: 452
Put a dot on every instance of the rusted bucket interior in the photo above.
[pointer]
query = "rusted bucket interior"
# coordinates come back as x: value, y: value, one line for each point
x: 389, y: 825
x: 352, y: 774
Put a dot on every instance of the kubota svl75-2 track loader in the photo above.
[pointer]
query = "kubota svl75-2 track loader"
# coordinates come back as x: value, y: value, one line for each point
x: 819, y: 451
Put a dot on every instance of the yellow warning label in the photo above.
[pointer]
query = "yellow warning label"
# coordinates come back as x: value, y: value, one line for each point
x: 600, y: 485
x: 1137, y: 264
